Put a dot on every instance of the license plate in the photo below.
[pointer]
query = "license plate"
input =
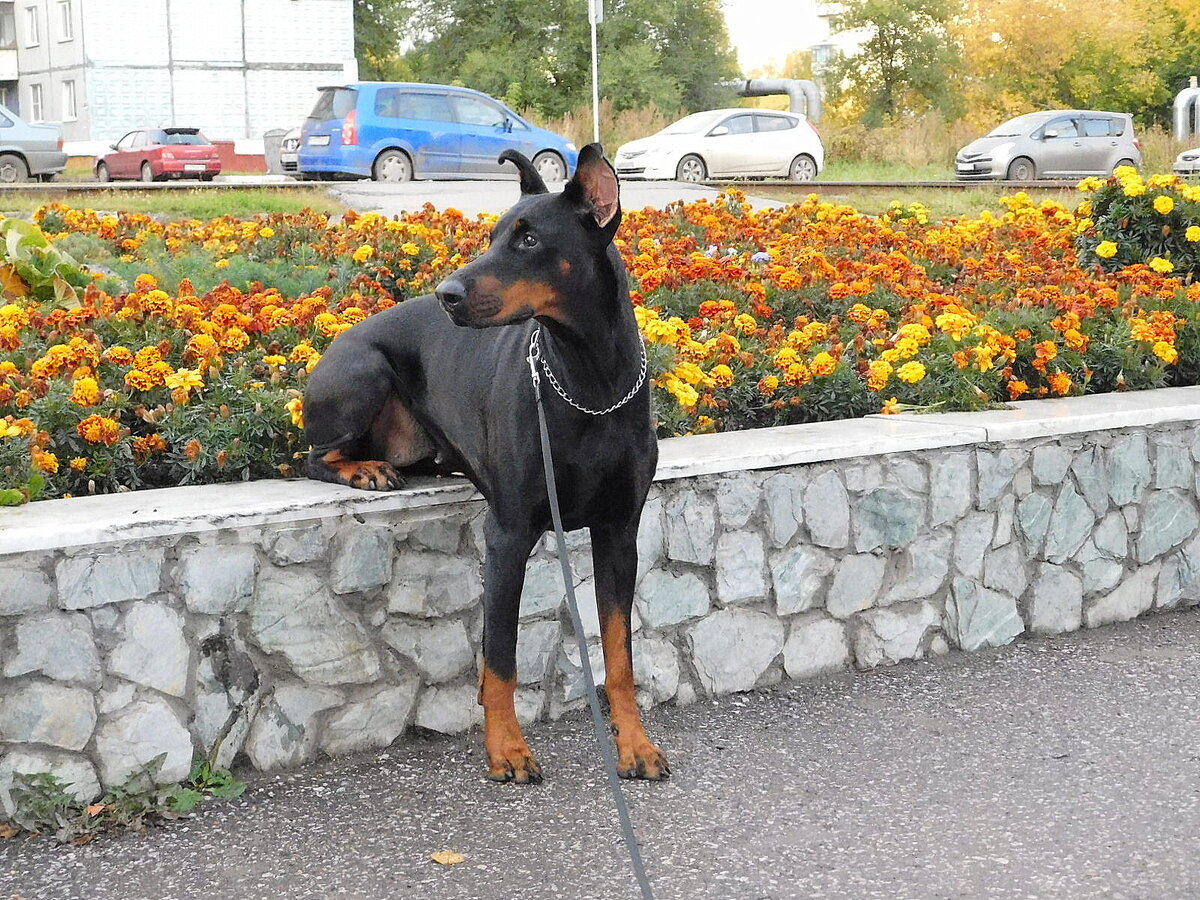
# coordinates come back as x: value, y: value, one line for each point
x: 319, y: 140
x: 194, y: 167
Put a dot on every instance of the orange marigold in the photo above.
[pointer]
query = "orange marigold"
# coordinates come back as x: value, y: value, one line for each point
x: 100, y: 430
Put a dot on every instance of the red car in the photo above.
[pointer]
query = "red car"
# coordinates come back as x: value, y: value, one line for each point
x: 155, y: 154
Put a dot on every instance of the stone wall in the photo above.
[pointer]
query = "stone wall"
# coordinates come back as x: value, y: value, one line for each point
x: 286, y: 620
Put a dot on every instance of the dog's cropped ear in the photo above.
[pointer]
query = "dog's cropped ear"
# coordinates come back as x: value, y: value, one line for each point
x: 531, y: 181
x: 596, y: 189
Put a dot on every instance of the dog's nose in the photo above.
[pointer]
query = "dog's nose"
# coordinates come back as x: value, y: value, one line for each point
x: 451, y: 293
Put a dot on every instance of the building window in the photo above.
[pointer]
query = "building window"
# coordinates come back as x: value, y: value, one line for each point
x: 33, y: 35
x: 8, y: 29
x: 66, y: 27
x: 69, y: 108
x: 35, y: 103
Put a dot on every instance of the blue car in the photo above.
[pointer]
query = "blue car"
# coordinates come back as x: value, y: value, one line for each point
x: 392, y: 131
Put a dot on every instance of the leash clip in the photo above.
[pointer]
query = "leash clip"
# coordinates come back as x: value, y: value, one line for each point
x: 534, y: 357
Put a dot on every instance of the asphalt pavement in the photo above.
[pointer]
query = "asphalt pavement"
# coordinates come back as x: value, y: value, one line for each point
x: 1063, y: 768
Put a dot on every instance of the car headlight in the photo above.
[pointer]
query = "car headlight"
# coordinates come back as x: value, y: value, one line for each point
x: 630, y: 154
x: 167, y: 154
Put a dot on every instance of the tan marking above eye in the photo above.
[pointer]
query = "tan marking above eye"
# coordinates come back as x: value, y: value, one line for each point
x: 564, y: 267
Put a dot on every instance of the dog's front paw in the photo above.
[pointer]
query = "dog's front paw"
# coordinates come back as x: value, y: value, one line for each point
x: 374, y: 476
x: 644, y: 760
x: 516, y: 763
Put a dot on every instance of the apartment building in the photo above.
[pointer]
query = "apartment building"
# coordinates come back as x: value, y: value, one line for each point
x: 234, y: 68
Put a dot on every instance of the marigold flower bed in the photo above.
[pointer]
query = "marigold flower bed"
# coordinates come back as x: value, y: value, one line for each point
x: 184, y: 358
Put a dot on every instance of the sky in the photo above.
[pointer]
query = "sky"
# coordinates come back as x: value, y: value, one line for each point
x: 766, y: 31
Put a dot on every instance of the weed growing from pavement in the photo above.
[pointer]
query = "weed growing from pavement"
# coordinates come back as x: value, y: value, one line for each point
x: 44, y: 805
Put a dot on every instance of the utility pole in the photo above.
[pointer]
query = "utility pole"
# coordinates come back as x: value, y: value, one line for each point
x: 595, y: 17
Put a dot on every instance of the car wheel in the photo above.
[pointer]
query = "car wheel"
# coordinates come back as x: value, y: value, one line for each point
x: 207, y: 177
x: 12, y: 169
x: 1124, y: 162
x: 691, y: 169
x: 803, y: 168
x: 1022, y: 169
x: 147, y: 173
x: 392, y: 166
x: 102, y: 173
x: 550, y: 166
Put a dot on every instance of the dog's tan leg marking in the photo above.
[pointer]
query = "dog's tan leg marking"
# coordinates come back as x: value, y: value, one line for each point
x: 509, y: 756
x: 637, y: 757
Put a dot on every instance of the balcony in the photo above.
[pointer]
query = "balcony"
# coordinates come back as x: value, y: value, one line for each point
x: 8, y: 62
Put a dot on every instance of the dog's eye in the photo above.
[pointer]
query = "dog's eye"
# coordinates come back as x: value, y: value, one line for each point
x: 529, y: 240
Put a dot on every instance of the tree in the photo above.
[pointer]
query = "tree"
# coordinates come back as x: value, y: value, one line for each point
x: 905, y: 63
x: 378, y: 26
x: 537, y: 53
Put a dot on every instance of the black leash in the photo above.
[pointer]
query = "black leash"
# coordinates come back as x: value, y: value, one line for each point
x: 610, y: 765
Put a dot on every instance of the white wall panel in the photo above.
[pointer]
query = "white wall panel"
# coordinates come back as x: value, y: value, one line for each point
x: 207, y: 30
x: 123, y: 99
x: 281, y: 99
x: 212, y: 100
x: 131, y: 32
x: 311, y: 31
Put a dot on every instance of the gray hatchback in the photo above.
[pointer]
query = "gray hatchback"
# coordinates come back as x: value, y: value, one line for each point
x: 28, y: 150
x: 1059, y: 143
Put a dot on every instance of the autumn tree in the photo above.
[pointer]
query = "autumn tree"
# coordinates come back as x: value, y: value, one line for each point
x: 379, y: 26
x: 905, y: 62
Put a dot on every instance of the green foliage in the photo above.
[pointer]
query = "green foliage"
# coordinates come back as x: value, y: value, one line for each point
x: 31, y: 266
x: 44, y: 805
x: 1156, y: 223
x: 378, y: 27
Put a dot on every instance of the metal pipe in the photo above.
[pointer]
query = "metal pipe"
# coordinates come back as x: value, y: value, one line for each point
x: 1186, y: 113
x: 804, y: 95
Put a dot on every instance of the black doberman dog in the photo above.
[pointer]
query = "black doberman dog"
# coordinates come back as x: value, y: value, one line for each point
x: 410, y: 384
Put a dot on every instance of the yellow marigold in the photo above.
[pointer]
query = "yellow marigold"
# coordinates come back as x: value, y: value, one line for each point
x: 823, y: 365
x: 13, y: 316
x: 891, y: 406
x: 721, y: 376
x: 139, y: 380
x: 1106, y: 249
x: 1161, y: 265
x: 859, y: 313
x: 295, y: 406
x: 86, y: 392
x: 274, y: 360
x: 266, y: 232
x: 187, y: 379
x: 1163, y: 204
x: 911, y: 372
x: 363, y: 253
x: 118, y: 355
x: 786, y: 357
x: 906, y: 348
x: 45, y: 461
x: 234, y: 339
x: 79, y: 463
x: 1166, y: 352
x: 915, y: 331
x: 689, y: 372
x: 1193, y: 233
x: 100, y: 430
x: 408, y: 248
x: 954, y: 324
x: 745, y: 323
x: 1133, y: 188
x: 768, y: 385
x: 878, y: 373
x: 221, y: 264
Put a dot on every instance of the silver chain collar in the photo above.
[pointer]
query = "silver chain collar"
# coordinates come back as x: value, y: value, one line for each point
x: 535, y: 357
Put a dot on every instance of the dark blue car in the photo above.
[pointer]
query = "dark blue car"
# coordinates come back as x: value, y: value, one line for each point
x: 392, y: 131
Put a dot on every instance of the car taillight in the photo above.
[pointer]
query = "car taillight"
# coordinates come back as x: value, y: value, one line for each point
x: 1137, y: 145
x: 60, y: 143
x: 350, y: 128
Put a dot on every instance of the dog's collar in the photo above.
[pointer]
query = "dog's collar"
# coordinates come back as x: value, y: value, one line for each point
x: 535, y: 357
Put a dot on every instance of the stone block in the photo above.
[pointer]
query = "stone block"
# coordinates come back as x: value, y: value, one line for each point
x: 920, y: 569
x: 362, y: 559
x: 996, y: 471
x: 1070, y: 524
x: 440, y: 649
x: 296, y: 616
x: 537, y: 644
x: 784, y: 496
x: 1004, y: 570
x: 442, y: 535
x: 656, y: 668
x: 449, y: 709
x: 977, y: 617
x: 543, y: 592
x: 292, y: 546
x: 24, y: 586
x: 665, y: 599
x: 1128, y: 600
x: 153, y: 650
x: 950, y: 488
x: 1173, y: 467
x: 372, y: 722
x: 1128, y: 469
x: 972, y: 538
x: 827, y: 511
x: 1050, y: 465
x: 1168, y: 519
x: 894, y: 633
x: 741, y: 568
x: 57, y: 645
x: 77, y: 775
x: 134, y: 737
x: 856, y: 584
x: 1091, y: 475
x: 87, y: 581
x: 1033, y: 517
x: 38, y: 712
x: 798, y: 577
x: 816, y: 644
x: 652, y: 536
x: 285, y: 731
x: 1055, y: 601
x: 738, y: 497
x: 886, y: 517
x: 217, y: 580
x: 1112, y: 536
x: 432, y: 584
x: 733, y: 648
x: 691, y: 528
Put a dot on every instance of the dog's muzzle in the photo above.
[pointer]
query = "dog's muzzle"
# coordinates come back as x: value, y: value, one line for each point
x: 452, y: 294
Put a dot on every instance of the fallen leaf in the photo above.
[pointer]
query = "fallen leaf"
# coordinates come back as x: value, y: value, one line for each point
x: 7, y: 831
x: 448, y: 858
x: 95, y: 809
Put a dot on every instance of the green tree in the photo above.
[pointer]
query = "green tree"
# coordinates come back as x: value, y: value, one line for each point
x: 378, y: 28
x: 905, y: 62
x: 537, y: 53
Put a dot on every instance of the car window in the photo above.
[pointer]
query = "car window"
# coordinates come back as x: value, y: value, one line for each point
x: 334, y: 103
x: 741, y: 124
x: 1064, y: 128
x: 427, y: 107
x: 5, y: 121
x: 182, y: 138
x: 140, y: 139
x: 773, y: 123
x: 126, y: 142
x: 474, y: 111
x: 1097, y: 127
x: 693, y: 124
